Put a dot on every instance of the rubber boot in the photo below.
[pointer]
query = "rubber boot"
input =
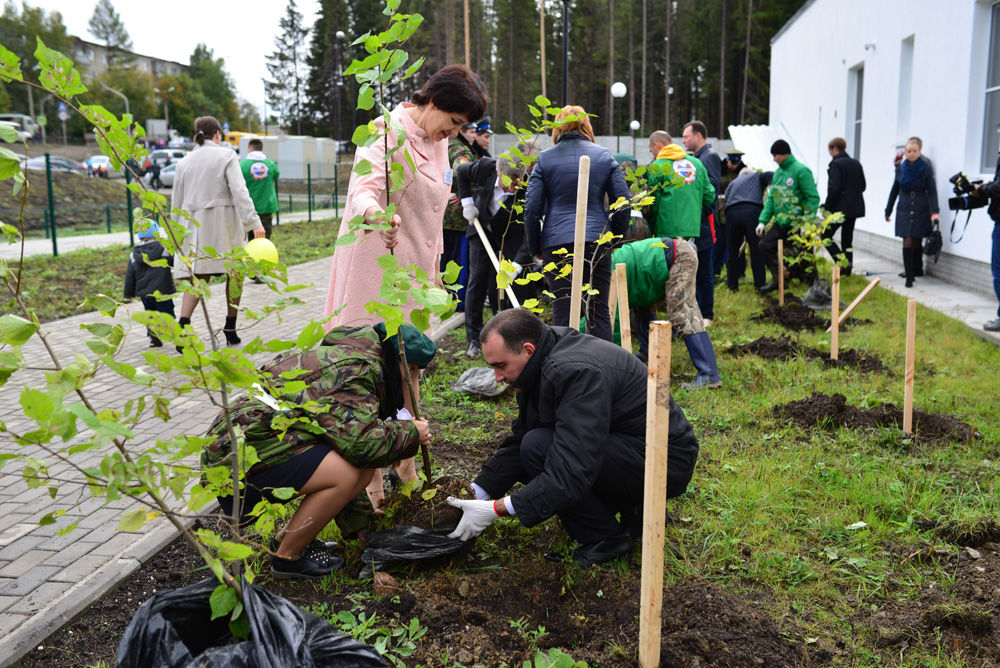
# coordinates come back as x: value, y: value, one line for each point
x: 703, y: 357
x: 908, y: 265
x: 230, y: 331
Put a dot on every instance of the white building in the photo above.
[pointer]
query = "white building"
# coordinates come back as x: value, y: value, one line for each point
x: 879, y: 72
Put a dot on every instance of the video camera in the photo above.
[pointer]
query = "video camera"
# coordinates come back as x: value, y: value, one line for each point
x: 965, y: 197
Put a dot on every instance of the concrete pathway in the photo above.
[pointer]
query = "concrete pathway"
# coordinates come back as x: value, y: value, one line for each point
x: 47, y: 579
x: 68, y: 243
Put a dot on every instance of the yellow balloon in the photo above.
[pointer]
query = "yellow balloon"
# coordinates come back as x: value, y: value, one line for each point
x: 262, y: 250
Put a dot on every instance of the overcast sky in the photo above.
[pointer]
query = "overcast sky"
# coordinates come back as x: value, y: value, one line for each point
x: 238, y: 31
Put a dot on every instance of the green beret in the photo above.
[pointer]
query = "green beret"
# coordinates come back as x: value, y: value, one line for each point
x: 419, y: 348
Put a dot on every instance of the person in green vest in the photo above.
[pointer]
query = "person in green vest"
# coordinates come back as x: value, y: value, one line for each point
x: 668, y: 266
x: 261, y: 175
x: 791, y: 199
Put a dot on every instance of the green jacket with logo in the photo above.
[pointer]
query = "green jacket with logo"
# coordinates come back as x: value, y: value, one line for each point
x: 681, y: 189
x: 792, y: 195
x: 344, y: 405
x: 260, y: 175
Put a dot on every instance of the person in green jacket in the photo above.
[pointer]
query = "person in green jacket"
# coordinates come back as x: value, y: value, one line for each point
x: 791, y: 199
x: 325, y: 437
x: 657, y: 267
x: 679, y: 183
x: 261, y: 176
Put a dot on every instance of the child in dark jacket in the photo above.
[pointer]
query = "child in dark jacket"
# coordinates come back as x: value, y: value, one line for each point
x: 143, y: 280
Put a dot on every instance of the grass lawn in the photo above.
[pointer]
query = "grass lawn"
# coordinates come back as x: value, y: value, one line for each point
x: 57, y: 286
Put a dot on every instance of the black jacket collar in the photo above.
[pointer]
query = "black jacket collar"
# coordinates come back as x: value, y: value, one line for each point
x: 530, y: 375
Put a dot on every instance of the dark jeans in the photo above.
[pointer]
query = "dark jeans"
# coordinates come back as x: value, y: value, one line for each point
x: 598, y: 316
x: 618, y: 487
x: 456, y: 250
x: 151, y: 304
x: 846, y: 241
x: 720, y: 251
x: 265, y: 220
x: 741, y: 224
x: 995, y: 263
x: 704, y: 284
x: 482, y: 285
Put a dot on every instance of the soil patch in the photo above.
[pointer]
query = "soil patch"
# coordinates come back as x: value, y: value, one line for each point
x: 833, y: 412
x: 430, y: 513
x: 961, y: 620
x: 967, y: 534
x: 784, y: 348
x: 797, y: 317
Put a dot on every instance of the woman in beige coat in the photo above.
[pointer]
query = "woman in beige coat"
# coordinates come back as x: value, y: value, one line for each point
x: 209, y: 185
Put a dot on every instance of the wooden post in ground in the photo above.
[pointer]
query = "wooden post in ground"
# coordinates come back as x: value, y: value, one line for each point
x: 579, y: 239
x: 613, y: 297
x: 911, y: 345
x: 835, y: 313
x: 624, y: 321
x: 494, y: 259
x: 854, y: 304
x: 781, y: 272
x: 654, y: 494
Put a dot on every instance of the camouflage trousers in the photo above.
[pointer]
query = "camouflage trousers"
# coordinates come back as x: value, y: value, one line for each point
x: 682, y: 308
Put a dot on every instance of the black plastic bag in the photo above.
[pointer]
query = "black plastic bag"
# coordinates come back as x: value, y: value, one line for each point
x: 173, y: 629
x: 404, y: 544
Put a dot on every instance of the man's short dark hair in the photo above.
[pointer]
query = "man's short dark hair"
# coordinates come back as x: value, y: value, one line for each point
x: 255, y: 145
x: 516, y: 327
x: 699, y: 127
x: 839, y: 142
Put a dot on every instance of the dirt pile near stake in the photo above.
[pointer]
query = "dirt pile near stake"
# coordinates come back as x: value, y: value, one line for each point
x: 833, y: 412
x: 784, y: 348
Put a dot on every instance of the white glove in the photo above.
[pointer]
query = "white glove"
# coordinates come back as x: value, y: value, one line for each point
x: 516, y: 271
x: 760, y: 230
x: 476, y: 516
x: 469, y: 211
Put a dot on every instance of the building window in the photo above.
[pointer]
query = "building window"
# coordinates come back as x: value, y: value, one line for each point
x: 905, y: 88
x: 855, y: 100
x: 992, y: 102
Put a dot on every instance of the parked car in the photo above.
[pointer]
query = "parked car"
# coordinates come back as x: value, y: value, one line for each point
x: 162, y: 157
x: 22, y: 135
x: 167, y: 175
x: 100, y: 165
x: 58, y: 164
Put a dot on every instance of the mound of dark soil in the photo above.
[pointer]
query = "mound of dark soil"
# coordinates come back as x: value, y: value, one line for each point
x: 832, y: 412
x: 974, y: 534
x: 797, y: 317
x: 784, y: 348
x: 433, y: 512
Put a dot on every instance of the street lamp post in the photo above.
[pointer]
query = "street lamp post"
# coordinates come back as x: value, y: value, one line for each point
x: 119, y: 94
x: 166, y: 110
x: 618, y: 91
x: 634, y: 127
x: 338, y: 87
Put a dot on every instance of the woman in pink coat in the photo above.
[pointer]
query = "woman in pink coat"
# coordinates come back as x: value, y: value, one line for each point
x: 451, y: 98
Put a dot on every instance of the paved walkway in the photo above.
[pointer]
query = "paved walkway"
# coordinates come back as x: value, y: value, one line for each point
x: 46, y: 579
x: 67, y: 244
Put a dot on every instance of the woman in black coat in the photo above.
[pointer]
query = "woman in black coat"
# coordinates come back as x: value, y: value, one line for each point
x: 918, y: 204
x: 552, y: 195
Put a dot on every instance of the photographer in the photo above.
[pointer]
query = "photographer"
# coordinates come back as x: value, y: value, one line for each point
x: 991, y: 190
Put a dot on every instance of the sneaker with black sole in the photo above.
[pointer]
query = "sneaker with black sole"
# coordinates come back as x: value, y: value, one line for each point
x: 311, y: 565
x: 992, y: 325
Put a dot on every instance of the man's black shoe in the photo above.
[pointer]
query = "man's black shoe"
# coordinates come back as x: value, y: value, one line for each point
x: 770, y: 287
x: 311, y: 565
x: 474, y: 350
x: 602, y: 550
x: 917, y: 273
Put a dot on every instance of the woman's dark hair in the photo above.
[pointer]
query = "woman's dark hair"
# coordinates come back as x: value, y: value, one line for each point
x: 455, y: 89
x: 205, y: 127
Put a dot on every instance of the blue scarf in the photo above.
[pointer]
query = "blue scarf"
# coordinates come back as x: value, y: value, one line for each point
x: 911, y: 173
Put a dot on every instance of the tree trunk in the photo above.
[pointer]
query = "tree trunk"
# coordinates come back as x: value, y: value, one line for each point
x: 746, y: 65
x: 666, y: 69
x: 722, y: 74
x: 449, y: 30
x: 611, y: 67
x: 642, y: 110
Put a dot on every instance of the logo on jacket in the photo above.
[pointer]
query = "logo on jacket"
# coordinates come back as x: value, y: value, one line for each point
x: 686, y: 169
x: 789, y: 182
x: 259, y: 171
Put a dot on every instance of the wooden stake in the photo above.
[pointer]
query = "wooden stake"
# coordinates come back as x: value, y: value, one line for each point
x: 579, y: 239
x: 911, y: 344
x: 854, y: 304
x: 781, y: 272
x: 494, y: 259
x: 835, y: 313
x: 625, y: 323
x: 613, y: 297
x: 654, y: 494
